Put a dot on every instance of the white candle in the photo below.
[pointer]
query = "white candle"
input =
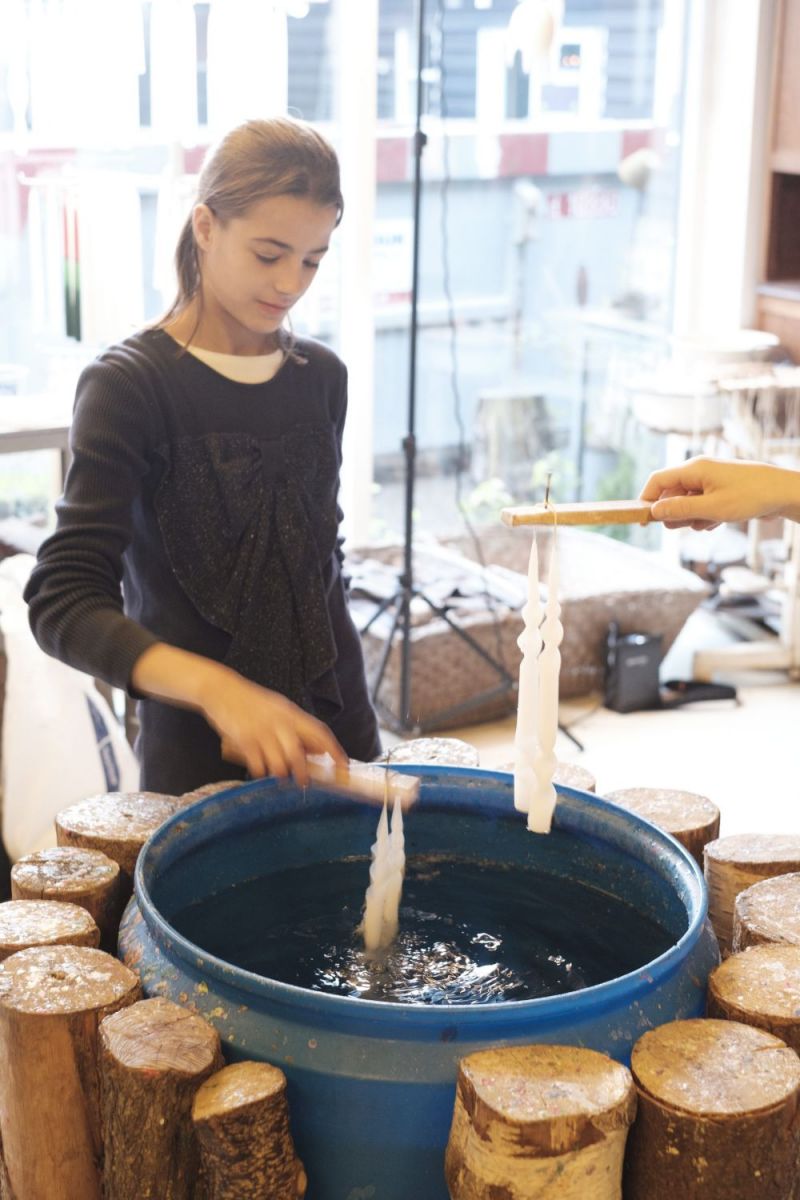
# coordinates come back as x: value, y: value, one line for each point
x: 540, y: 811
x: 525, y: 736
x: 387, y: 868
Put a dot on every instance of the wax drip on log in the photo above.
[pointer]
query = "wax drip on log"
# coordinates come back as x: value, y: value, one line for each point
x: 736, y: 862
x: 535, y: 1121
x: 768, y: 912
x: 26, y: 923
x: 153, y: 1057
x: 760, y: 986
x: 242, y: 1123
x: 118, y: 824
x: 52, y: 999
x: 75, y: 875
x: 718, y: 1114
x: 693, y: 820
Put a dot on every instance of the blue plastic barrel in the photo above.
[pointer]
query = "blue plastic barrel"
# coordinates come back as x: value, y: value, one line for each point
x: 370, y: 1084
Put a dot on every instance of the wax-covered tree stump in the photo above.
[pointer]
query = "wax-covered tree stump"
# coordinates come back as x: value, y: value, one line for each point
x: 535, y: 1121
x: 738, y: 861
x: 693, y: 820
x: 52, y: 1000
x: 718, y: 1115
x: 760, y: 986
x: 153, y: 1057
x: 73, y: 875
x: 118, y: 824
x: 26, y: 923
x: 768, y: 911
x: 436, y: 751
x: 566, y: 773
x: 208, y: 789
x: 241, y: 1119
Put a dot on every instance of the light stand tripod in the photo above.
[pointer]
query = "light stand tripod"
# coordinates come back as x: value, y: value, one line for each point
x: 406, y: 590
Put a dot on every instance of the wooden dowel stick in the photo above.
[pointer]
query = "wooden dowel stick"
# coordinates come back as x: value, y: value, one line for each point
x: 153, y: 1057
x: 587, y: 512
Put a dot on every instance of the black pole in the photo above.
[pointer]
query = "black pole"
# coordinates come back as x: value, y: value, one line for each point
x: 410, y: 441
x: 400, y: 601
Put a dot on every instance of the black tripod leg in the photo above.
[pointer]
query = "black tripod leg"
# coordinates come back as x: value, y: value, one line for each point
x: 387, y: 649
x: 563, y: 729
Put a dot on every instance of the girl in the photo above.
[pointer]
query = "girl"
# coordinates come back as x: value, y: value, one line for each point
x: 206, y: 454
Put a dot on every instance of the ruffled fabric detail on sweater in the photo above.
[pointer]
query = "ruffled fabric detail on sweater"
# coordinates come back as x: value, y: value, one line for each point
x: 250, y: 526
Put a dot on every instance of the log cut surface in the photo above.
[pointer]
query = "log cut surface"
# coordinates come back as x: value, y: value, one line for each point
x: 768, y: 911
x: 760, y: 986
x: 692, y: 819
x: 25, y: 923
x: 718, y: 1114
x: 153, y: 1057
x: 242, y: 1123
x: 118, y: 824
x: 536, y: 1120
x: 736, y: 862
x: 52, y: 1000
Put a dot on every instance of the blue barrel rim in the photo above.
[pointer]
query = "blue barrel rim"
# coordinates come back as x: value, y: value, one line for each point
x: 374, y: 1014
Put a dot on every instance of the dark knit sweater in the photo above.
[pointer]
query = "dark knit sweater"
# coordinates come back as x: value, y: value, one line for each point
x: 211, y: 505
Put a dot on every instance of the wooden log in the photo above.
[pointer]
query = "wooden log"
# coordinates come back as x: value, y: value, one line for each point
x: 768, y: 911
x: 241, y: 1119
x: 693, y: 820
x: 760, y: 986
x: 566, y: 773
x: 118, y: 824
x: 438, y: 751
x: 52, y: 999
x: 153, y: 1056
x: 534, y: 1121
x: 736, y: 862
x: 26, y: 923
x: 208, y: 789
x: 75, y: 875
x: 718, y: 1114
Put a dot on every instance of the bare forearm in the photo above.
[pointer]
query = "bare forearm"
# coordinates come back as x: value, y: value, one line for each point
x: 257, y: 727
x: 179, y: 677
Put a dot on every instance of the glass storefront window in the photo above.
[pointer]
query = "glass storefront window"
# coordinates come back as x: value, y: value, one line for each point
x: 548, y: 214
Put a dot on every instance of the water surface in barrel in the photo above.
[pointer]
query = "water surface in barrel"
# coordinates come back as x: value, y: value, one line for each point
x: 470, y: 932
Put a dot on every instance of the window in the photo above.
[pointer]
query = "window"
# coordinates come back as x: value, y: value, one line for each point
x: 547, y: 212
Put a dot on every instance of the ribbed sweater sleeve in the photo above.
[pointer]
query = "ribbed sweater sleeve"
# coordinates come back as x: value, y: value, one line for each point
x: 74, y: 592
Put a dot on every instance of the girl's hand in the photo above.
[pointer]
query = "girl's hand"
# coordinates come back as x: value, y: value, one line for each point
x: 260, y: 729
x: 703, y: 492
x: 264, y: 731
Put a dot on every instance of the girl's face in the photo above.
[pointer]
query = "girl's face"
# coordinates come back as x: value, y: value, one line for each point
x: 254, y: 268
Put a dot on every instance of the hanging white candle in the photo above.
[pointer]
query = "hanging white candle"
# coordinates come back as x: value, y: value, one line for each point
x: 387, y: 869
x: 525, y: 735
x: 396, y: 869
x: 372, y: 923
x: 540, y: 812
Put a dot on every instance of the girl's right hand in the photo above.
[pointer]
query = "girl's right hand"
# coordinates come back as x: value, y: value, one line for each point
x: 260, y: 729
x: 263, y: 730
